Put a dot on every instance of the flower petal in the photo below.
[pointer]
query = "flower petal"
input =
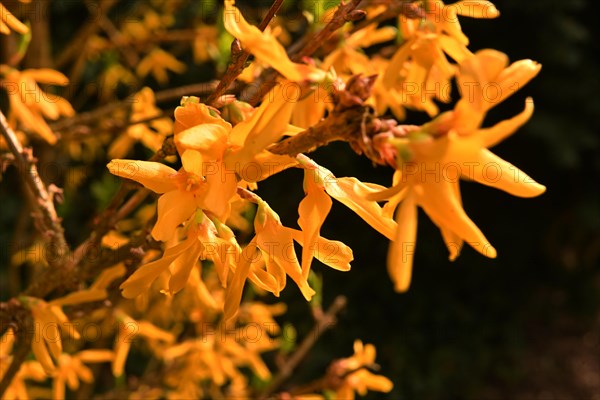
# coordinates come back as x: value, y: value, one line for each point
x: 402, y: 249
x: 313, y: 210
x: 155, y: 176
x: 265, y: 47
x: 491, y: 170
x: 236, y: 286
x: 440, y: 202
x: 345, y: 191
x: 174, y: 208
x: 497, y: 133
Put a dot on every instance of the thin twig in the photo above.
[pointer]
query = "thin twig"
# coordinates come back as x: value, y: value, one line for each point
x: 344, y: 13
x: 324, y: 322
x: 50, y: 225
x: 239, y: 57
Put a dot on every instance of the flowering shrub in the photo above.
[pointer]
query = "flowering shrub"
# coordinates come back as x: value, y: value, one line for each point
x: 171, y: 285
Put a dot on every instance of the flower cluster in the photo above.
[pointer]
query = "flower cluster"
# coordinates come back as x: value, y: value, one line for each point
x: 180, y: 292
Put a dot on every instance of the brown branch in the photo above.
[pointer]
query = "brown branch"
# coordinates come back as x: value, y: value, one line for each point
x: 324, y: 322
x: 49, y: 223
x: 340, y: 126
x: 408, y: 8
x: 351, y: 120
x: 344, y: 13
x: 239, y: 57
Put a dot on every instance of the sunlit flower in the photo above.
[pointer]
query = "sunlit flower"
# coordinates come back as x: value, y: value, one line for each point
x: 420, y: 71
x: 206, y: 44
x: 71, y: 369
x: 49, y: 320
x: 356, y: 375
x: 129, y: 329
x: 432, y: 158
x: 157, y: 63
x: 29, y: 104
x: 273, y: 245
x: 351, y: 192
x: 113, y: 76
x: 265, y: 47
x: 183, y: 191
x: 29, y: 370
x: 179, y: 259
x: 151, y: 133
x: 214, y: 157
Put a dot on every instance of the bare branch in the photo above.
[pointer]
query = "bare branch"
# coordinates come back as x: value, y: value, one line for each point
x: 324, y: 322
x: 239, y: 57
x: 50, y: 225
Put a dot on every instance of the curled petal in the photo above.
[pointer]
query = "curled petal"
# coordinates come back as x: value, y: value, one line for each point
x: 497, y: 133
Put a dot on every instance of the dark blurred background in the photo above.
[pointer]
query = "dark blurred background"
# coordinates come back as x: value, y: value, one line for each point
x: 523, y: 326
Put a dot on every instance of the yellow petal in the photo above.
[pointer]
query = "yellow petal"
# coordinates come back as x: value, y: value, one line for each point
x: 332, y: 253
x: 81, y: 296
x: 313, y: 210
x: 236, y: 286
x: 151, y: 331
x: 155, y: 176
x: 32, y: 120
x: 497, y: 133
x: 265, y: 47
x: 192, y: 162
x: 476, y: 9
x: 6, y: 17
x: 94, y: 356
x: 182, y: 266
x: 491, y: 170
x: 46, y: 75
x: 108, y: 275
x: 51, y: 335
x: 174, y: 208
x: 439, y: 201
x: 513, y: 78
x: 345, y: 191
x: 143, y: 277
x: 263, y: 279
x: 121, y: 352
x: 191, y: 114
x: 209, y: 139
x: 40, y: 351
x: 402, y: 249
x: 266, y: 126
